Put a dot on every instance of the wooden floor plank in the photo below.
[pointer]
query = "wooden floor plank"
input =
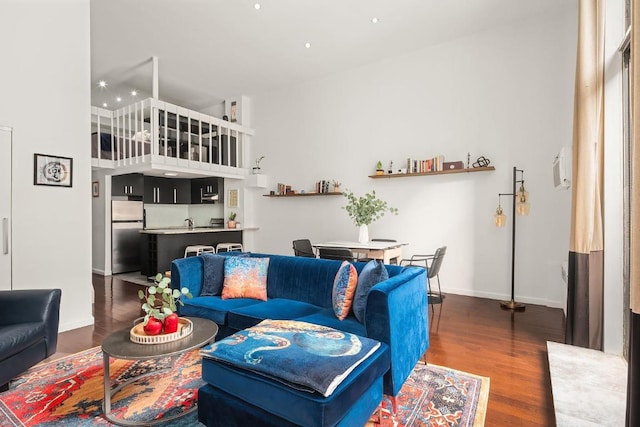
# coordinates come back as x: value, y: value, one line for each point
x: 469, y: 334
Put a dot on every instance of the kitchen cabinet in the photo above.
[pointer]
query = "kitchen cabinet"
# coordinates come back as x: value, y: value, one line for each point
x: 127, y: 185
x: 203, y: 186
x: 166, y: 191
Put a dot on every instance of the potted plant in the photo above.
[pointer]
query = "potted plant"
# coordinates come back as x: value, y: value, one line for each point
x: 336, y: 186
x: 159, y: 304
x: 365, y: 210
x: 232, y: 220
x: 379, y: 170
x: 256, y: 168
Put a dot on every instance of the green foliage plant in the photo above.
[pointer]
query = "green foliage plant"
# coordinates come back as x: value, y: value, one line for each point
x: 232, y: 216
x: 160, y: 300
x: 366, y: 209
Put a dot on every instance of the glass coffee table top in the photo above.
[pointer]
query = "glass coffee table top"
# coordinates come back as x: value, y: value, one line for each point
x: 120, y: 346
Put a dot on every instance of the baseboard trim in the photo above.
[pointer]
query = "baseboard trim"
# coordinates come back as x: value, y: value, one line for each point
x: 504, y: 297
x: 98, y: 271
x: 75, y: 325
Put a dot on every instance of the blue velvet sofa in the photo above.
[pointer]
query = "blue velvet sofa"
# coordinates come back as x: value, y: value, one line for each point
x: 300, y: 288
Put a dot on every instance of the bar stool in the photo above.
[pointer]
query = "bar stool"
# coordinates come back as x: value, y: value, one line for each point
x: 228, y: 247
x: 198, y: 249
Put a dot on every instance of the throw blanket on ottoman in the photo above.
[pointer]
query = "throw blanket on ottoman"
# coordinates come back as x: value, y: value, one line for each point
x: 303, y: 355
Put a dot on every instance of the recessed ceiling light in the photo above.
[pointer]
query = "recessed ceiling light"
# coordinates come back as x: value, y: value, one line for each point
x: 374, y: 20
x: 105, y: 105
x: 256, y: 6
x: 134, y: 93
x: 170, y: 174
x: 102, y: 84
x: 307, y: 45
x: 119, y: 99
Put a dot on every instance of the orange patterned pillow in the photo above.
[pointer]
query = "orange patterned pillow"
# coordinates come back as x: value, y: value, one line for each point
x: 245, y: 277
x: 344, y: 286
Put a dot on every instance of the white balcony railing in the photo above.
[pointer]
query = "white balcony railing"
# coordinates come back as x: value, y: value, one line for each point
x: 161, y: 135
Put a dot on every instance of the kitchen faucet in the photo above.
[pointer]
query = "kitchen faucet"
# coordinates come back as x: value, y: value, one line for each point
x: 189, y: 222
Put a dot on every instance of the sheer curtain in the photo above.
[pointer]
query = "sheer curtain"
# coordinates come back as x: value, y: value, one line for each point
x: 584, y: 299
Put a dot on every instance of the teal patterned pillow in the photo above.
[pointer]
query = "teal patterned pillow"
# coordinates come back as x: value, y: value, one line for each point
x: 344, y: 286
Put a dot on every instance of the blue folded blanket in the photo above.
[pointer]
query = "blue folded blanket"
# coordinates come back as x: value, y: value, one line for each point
x: 303, y: 355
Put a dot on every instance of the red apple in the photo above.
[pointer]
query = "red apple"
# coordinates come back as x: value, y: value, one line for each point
x: 153, y: 326
x: 171, y: 323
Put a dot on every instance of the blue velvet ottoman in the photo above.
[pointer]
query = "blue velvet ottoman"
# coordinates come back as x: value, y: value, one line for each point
x: 239, y: 397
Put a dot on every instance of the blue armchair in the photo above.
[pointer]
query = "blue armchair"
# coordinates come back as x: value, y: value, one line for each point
x: 28, y: 329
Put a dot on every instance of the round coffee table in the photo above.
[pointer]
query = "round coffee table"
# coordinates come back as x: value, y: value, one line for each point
x: 119, y: 346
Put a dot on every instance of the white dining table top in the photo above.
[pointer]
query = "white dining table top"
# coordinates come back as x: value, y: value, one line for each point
x: 357, y: 245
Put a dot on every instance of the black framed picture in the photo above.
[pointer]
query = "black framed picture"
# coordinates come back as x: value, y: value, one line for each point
x: 52, y: 170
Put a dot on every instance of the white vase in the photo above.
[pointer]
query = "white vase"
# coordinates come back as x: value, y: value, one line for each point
x: 363, y: 237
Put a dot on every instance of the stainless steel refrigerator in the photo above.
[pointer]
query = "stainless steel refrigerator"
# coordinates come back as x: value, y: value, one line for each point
x: 126, y: 223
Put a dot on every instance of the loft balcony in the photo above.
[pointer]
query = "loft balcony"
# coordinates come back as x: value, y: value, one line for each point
x: 153, y: 135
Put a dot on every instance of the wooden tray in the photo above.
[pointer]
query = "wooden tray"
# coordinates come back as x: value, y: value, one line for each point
x: 137, y: 335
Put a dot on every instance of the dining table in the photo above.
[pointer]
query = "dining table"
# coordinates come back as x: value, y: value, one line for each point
x: 385, y: 251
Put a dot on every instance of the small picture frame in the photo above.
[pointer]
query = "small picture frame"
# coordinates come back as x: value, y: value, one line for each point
x: 95, y: 189
x: 232, y: 198
x: 234, y: 111
x: 54, y: 171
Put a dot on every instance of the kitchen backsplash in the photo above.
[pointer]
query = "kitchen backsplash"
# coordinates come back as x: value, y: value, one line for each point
x: 163, y: 216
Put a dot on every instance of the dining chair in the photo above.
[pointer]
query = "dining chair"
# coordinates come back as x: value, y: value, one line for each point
x: 340, y: 254
x: 302, y: 247
x: 432, y: 263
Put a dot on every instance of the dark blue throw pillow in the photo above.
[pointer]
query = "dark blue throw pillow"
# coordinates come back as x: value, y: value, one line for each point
x: 373, y: 272
x: 212, y: 274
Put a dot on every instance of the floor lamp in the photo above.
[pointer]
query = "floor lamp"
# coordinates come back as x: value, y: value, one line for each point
x: 520, y: 205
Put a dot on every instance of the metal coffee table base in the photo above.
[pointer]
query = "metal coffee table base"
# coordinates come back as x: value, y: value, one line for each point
x: 110, y: 392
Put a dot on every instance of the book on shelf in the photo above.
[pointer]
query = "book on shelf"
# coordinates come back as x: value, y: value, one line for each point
x: 433, y: 164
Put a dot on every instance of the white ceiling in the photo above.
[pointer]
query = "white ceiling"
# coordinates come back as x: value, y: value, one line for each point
x: 209, y: 50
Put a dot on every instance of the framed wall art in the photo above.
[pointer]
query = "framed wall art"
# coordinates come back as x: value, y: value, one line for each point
x: 52, y: 170
x: 95, y: 189
x: 232, y: 199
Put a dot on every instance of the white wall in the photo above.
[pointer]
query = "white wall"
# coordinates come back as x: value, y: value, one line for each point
x: 506, y: 93
x: 44, y: 87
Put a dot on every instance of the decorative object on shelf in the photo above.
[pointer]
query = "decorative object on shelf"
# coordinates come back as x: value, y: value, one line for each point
x: 468, y: 160
x: 520, y: 205
x: 256, y: 168
x: 159, y: 304
x: 452, y: 165
x: 336, y: 186
x: 481, y: 162
x: 364, y: 210
x: 232, y: 220
x: 95, y: 189
x: 52, y: 170
x: 390, y: 167
x: 379, y: 170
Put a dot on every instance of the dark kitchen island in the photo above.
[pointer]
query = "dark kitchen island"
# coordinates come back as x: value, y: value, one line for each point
x: 160, y: 247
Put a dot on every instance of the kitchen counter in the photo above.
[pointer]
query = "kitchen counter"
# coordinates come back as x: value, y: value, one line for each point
x: 161, y: 246
x: 187, y: 230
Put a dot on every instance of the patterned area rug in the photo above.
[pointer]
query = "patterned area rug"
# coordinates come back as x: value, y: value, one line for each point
x: 69, y: 392
x: 438, y: 396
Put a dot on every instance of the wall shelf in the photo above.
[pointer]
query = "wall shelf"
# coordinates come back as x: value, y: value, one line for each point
x: 303, y: 194
x: 402, y: 175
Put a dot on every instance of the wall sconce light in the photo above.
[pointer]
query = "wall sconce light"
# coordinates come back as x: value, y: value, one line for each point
x: 521, y: 206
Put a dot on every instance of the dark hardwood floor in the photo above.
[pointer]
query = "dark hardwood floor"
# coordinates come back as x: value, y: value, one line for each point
x: 470, y: 334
